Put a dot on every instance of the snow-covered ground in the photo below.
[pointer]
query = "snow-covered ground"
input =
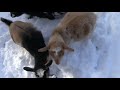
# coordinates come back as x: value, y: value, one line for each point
x: 97, y: 57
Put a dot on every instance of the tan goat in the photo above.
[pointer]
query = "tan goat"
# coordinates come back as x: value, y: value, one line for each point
x: 74, y: 25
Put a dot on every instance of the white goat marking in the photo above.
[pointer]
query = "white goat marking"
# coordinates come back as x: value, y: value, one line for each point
x: 58, y: 49
x: 40, y: 72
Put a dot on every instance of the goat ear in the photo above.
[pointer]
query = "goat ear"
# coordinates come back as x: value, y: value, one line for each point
x: 28, y: 69
x: 67, y: 48
x: 43, y: 49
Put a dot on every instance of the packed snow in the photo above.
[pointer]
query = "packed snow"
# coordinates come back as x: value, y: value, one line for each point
x: 96, y: 57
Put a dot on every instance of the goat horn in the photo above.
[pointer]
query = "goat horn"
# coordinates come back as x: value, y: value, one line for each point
x: 43, y: 49
x: 68, y: 48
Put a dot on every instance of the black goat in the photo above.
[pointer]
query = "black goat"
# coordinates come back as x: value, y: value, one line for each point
x: 25, y: 35
x: 49, y: 15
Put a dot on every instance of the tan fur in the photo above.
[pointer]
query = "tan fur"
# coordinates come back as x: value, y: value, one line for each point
x: 74, y: 25
x: 16, y: 32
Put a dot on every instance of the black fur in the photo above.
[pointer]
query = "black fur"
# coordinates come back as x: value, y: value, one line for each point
x: 49, y: 15
x: 29, y: 69
x: 32, y: 44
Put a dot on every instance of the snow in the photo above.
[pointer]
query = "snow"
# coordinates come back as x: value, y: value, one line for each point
x: 96, y: 57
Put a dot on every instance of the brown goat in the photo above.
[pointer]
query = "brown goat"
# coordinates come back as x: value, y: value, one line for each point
x: 26, y: 35
x: 74, y: 25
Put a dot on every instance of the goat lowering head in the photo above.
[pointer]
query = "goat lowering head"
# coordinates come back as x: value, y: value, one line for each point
x: 25, y: 35
x: 56, y: 47
x: 41, y: 71
x: 75, y: 26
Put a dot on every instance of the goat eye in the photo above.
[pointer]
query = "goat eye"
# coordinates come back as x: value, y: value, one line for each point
x: 61, y: 53
x: 52, y: 52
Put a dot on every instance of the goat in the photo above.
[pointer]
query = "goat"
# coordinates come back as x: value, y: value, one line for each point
x: 74, y: 25
x: 28, y: 37
x: 49, y: 15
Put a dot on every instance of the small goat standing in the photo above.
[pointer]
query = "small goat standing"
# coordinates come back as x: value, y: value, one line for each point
x: 74, y: 25
x: 25, y: 35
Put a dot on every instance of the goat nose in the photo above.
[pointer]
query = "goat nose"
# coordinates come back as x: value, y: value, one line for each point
x: 57, y: 61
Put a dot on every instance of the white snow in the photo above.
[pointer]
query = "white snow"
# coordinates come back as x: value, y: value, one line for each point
x: 96, y: 57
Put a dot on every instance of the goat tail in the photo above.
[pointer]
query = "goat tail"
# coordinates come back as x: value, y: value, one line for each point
x: 6, y: 21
